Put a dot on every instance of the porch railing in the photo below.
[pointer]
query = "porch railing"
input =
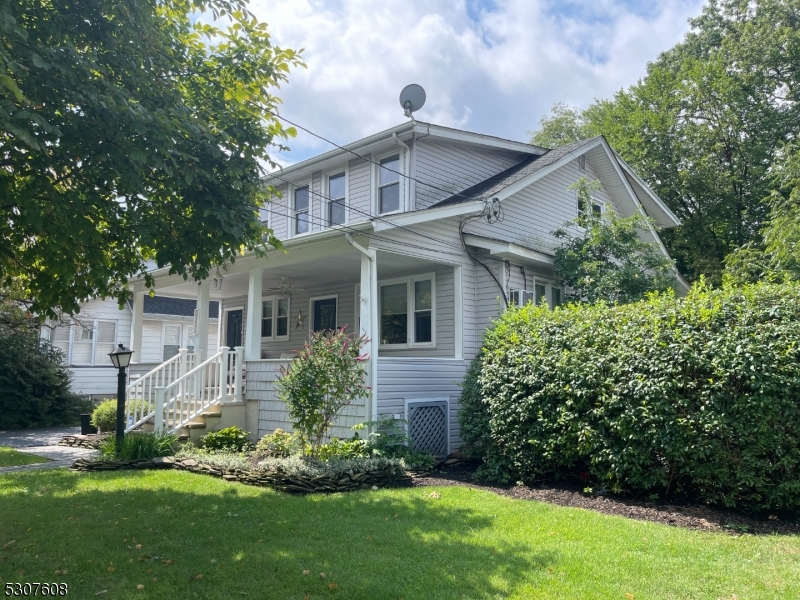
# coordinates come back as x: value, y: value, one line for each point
x: 215, y: 380
x: 140, y: 394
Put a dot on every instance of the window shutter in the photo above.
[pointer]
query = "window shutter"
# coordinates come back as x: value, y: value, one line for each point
x: 106, y: 336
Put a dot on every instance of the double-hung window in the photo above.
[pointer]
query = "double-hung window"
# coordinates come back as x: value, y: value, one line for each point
x: 408, y: 312
x: 596, y: 206
x: 389, y: 184
x: 302, y: 215
x: 86, y: 343
x: 336, y: 199
x: 275, y: 318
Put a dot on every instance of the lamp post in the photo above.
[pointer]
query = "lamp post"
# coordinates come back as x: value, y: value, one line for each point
x: 121, y: 358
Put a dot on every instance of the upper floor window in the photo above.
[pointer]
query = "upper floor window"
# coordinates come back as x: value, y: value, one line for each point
x: 302, y: 218
x: 597, y: 207
x: 389, y: 184
x: 264, y: 215
x: 336, y: 199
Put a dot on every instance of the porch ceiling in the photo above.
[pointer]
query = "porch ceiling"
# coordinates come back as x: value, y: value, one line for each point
x: 327, y: 269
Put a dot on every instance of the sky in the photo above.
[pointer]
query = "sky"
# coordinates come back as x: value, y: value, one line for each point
x: 489, y: 66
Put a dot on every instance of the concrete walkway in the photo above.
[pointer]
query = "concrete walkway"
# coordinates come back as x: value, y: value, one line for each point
x: 43, y: 442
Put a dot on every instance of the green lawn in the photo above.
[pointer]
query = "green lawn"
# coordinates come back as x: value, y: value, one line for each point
x: 163, y: 530
x: 13, y: 458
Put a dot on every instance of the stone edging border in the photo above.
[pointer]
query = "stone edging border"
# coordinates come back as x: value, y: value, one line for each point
x: 92, y: 441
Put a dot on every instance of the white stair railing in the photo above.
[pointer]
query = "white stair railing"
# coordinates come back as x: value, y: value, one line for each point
x: 140, y: 394
x: 215, y: 380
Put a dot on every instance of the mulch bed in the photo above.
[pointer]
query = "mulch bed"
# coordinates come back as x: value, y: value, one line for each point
x: 688, y: 516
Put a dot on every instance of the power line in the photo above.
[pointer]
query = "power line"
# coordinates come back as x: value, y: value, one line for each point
x: 375, y: 217
x: 354, y: 153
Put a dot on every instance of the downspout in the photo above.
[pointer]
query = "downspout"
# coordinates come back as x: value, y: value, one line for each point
x: 373, y: 346
x: 407, y: 156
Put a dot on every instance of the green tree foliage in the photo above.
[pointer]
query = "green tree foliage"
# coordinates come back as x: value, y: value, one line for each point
x: 607, y: 260
x: 563, y: 126
x: 327, y: 375
x: 131, y: 131
x: 34, y: 386
x: 777, y: 256
x: 694, y: 396
x: 706, y: 124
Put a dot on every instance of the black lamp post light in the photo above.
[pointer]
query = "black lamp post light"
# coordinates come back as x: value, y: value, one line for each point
x: 121, y: 357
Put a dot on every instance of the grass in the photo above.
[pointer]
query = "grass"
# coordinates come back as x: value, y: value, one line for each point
x: 163, y: 530
x: 14, y: 458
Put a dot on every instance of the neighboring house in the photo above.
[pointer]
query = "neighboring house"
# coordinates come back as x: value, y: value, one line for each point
x: 86, y: 341
x: 414, y: 236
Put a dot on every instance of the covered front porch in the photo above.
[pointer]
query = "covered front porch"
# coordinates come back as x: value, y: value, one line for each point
x: 409, y: 307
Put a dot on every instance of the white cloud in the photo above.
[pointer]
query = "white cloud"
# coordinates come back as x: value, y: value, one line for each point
x: 498, y: 73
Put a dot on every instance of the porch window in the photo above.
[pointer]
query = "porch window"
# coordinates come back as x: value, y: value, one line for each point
x: 539, y: 292
x: 336, y: 199
x: 389, y: 184
x: 301, y: 210
x: 275, y: 318
x: 407, y: 312
x: 266, y: 318
x: 172, y: 340
x: 556, y: 293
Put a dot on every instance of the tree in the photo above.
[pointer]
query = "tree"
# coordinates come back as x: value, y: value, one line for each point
x: 607, y: 260
x: 131, y: 131
x: 35, y: 385
x: 706, y: 124
x: 777, y: 256
x: 563, y: 126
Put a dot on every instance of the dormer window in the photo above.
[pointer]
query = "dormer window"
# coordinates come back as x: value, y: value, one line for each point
x: 389, y: 184
x: 301, y: 214
x: 336, y: 199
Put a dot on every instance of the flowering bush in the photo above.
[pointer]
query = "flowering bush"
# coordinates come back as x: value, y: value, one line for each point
x: 327, y: 375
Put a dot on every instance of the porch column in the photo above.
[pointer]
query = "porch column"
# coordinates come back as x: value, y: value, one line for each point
x: 137, y: 321
x: 252, y: 335
x: 201, y: 341
x: 369, y: 323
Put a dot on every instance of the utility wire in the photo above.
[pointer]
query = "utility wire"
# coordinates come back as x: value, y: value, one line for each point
x: 354, y: 153
x: 376, y: 217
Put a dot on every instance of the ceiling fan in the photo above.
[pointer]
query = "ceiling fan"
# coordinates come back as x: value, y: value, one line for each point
x: 284, y: 288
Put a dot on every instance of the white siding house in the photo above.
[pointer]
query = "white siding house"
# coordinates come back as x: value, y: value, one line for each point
x: 416, y: 236
x: 101, y: 325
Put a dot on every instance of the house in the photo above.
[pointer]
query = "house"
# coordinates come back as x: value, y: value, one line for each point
x: 86, y: 340
x: 416, y: 236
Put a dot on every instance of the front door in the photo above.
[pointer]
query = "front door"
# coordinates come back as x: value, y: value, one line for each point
x: 233, y: 332
x: 324, y: 314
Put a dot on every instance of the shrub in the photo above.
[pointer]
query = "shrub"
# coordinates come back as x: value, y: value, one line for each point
x: 696, y: 396
x: 327, y: 375
x: 391, y: 440
x: 230, y: 438
x: 343, y: 449
x: 279, y: 444
x: 136, y: 446
x: 104, y: 417
x: 35, y: 385
x: 473, y: 417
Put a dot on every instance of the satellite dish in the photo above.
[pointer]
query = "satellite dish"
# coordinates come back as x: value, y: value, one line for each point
x: 412, y: 98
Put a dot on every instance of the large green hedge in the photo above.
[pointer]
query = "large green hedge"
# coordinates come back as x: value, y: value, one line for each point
x: 697, y: 396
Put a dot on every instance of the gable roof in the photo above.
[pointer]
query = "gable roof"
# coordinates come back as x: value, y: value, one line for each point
x: 491, y: 186
x: 179, y: 307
